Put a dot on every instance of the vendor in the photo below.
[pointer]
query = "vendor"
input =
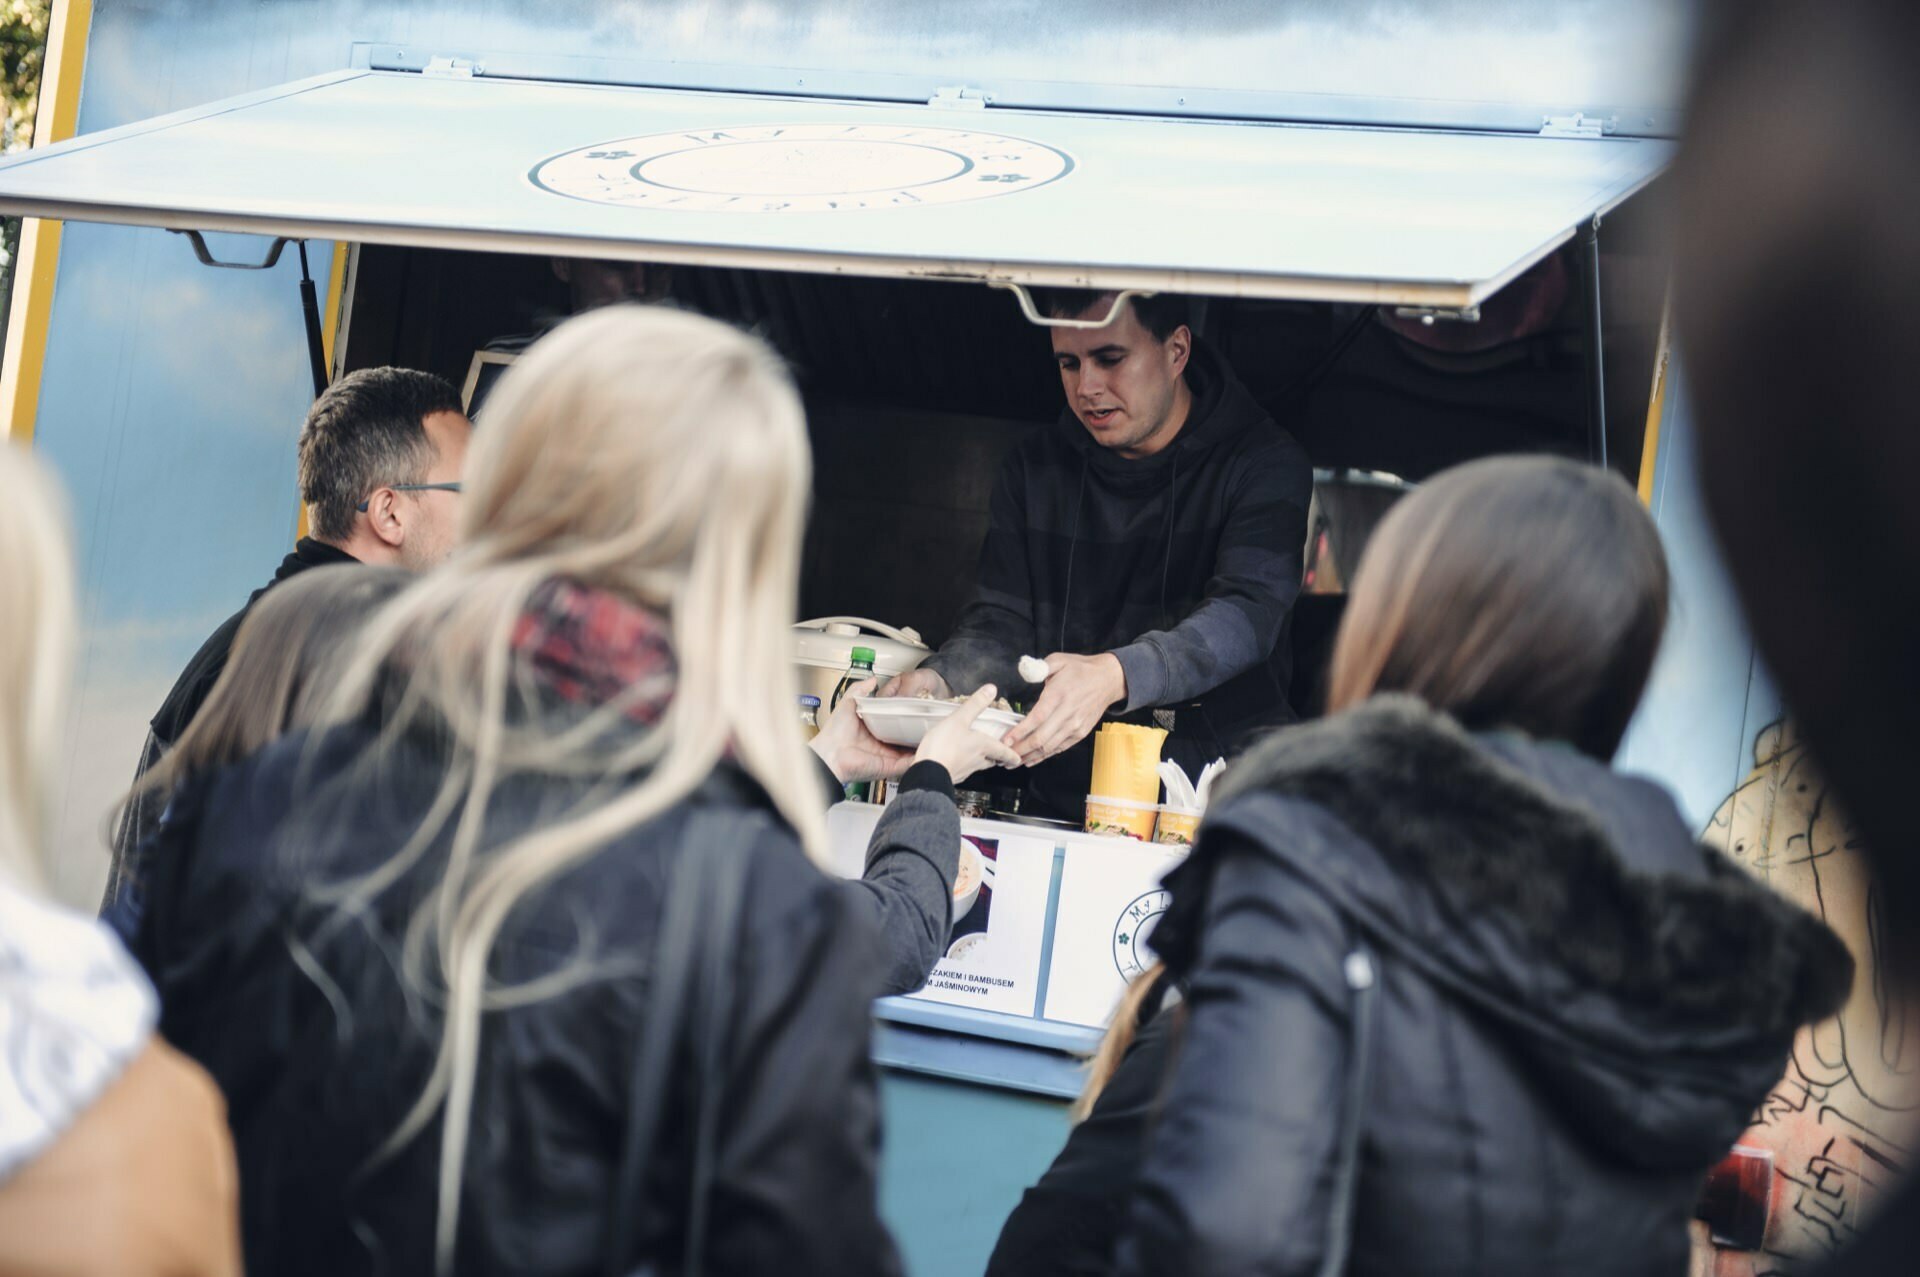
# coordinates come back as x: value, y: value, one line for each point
x: 1149, y: 545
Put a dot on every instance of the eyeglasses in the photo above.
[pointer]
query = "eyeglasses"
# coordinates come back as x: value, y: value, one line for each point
x: 412, y: 487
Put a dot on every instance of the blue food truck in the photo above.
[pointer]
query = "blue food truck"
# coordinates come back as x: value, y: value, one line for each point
x: 1421, y: 231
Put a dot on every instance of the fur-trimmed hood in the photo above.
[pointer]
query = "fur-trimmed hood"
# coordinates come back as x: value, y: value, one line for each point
x: 1654, y: 986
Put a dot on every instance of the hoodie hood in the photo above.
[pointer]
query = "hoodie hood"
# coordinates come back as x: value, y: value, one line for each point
x: 1651, y: 985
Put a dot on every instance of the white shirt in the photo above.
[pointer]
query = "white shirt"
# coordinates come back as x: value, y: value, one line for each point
x: 74, y: 1012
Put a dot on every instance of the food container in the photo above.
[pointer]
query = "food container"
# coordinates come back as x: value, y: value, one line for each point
x: 1176, y: 826
x: 968, y: 879
x: 823, y: 648
x: 972, y: 803
x: 906, y: 720
x: 1121, y: 817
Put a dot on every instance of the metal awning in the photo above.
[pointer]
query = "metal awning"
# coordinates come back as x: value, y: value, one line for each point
x: 946, y: 190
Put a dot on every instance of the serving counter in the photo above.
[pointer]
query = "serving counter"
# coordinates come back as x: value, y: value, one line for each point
x: 1034, y: 968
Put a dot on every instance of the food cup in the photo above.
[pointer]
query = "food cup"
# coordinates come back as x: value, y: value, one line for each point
x: 1176, y: 826
x: 1121, y: 817
x: 967, y: 879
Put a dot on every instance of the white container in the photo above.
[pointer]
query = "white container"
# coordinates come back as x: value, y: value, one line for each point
x: 823, y: 648
x: 906, y: 720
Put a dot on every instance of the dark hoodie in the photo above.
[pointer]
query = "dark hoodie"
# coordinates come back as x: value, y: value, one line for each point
x: 1577, y: 1010
x: 1184, y: 564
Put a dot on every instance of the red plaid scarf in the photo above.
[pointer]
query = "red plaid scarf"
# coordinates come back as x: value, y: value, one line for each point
x: 589, y: 647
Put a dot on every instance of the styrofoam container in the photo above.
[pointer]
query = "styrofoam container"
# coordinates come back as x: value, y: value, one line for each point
x: 906, y: 720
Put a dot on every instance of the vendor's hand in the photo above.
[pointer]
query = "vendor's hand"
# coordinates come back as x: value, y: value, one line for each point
x: 960, y: 747
x: 1078, y: 691
x: 914, y: 682
x: 850, y: 751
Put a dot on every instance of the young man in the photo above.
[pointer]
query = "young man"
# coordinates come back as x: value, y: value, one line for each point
x: 380, y: 457
x: 1149, y: 546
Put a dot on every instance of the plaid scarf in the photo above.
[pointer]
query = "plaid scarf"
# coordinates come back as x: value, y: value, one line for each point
x: 589, y: 647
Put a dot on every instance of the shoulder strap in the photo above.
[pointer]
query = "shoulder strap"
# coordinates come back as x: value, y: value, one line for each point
x: 699, y: 919
x: 1363, y: 980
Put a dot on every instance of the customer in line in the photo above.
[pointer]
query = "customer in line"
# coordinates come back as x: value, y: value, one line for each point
x: 1796, y: 270
x: 114, y: 1158
x: 380, y: 456
x: 417, y: 952
x: 1458, y: 997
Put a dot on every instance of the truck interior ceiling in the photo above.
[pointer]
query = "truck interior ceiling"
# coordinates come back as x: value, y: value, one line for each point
x: 916, y: 389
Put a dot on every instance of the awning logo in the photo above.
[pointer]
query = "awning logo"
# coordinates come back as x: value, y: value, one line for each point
x: 801, y: 168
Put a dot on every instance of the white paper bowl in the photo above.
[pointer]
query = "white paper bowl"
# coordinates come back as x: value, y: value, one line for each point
x: 906, y: 720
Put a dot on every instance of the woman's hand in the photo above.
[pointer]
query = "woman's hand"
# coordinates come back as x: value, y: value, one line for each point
x: 850, y: 751
x: 957, y: 745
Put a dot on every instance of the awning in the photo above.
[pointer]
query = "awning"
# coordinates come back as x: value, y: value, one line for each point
x: 1401, y: 216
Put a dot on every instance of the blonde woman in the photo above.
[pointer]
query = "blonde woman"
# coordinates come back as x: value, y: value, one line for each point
x: 418, y: 953
x: 114, y: 1159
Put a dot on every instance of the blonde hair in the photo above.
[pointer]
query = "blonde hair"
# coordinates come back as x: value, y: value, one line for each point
x: 36, y: 655
x: 660, y: 457
x: 278, y: 672
x: 1121, y: 1031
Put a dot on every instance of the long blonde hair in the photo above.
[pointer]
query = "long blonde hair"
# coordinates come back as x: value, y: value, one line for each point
x: 279, y: 672
x: 36, y: 656
x: 663, y: 458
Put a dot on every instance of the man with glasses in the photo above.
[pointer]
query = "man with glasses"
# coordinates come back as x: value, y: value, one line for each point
x: 380, y: 458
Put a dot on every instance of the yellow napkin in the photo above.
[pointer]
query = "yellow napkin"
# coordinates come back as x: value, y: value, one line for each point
x: 1126, y: 762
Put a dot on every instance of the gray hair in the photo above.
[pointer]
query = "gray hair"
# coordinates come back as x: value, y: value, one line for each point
x: 367, y: 430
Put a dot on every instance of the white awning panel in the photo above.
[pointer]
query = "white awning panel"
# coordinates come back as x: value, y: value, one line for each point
x: 1271, y: 210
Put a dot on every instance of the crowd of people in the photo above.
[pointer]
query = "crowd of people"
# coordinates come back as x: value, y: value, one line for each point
x: 468, y: 914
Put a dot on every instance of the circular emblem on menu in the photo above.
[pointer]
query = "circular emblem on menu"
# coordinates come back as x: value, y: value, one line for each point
x: 801, y: 168
x: 1134, y: 929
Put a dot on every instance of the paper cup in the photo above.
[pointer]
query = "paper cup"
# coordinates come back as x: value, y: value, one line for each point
x: 1120, y: 817
x: 1176, y: 826
x: 1126, y: 763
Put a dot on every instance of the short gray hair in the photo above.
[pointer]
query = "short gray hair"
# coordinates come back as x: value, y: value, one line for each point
x: 365, y: 431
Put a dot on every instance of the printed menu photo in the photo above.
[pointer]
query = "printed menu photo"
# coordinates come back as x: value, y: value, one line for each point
x: 993, y: 956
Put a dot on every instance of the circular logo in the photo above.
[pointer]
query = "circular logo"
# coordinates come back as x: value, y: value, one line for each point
x: 1132, y: 932
x: 801, y: 168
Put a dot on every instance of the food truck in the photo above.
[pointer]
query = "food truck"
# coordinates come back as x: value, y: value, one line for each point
x: 1420, y: 232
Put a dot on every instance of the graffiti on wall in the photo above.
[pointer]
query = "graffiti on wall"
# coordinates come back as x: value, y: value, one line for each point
x: 1837, y: 1131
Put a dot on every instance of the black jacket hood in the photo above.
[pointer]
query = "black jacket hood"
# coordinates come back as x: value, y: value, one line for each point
x: 1652, y: 985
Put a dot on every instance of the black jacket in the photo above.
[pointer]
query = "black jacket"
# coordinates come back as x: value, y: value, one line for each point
x: 320, y: 1051
x: 1577, y: 1010
x: 1185, y: 565
x: 171, y: 721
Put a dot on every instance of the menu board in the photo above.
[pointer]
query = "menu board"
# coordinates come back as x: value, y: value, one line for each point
x: 993, y: 954
x: 1110, y: 899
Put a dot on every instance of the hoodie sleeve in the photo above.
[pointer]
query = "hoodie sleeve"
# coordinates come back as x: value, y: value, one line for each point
x: 1237, y: 1176
x: 997, y: 626
x: 1256, y: 578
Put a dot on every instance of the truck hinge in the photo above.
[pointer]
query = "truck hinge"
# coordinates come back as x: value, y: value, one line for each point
x: 450, y: 68
x: 1579, y: 124
x: 1430, y: 315
x: 959, y: 97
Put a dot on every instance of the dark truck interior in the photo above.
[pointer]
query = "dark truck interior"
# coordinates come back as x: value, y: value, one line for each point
x: 916, y: 389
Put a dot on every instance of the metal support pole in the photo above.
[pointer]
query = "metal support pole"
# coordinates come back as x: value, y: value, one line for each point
x: 1595, y: 358
x: 310, y: 307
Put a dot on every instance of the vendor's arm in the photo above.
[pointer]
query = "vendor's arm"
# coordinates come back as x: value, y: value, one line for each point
x: 1256, y: 578
x: 997, y: 626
